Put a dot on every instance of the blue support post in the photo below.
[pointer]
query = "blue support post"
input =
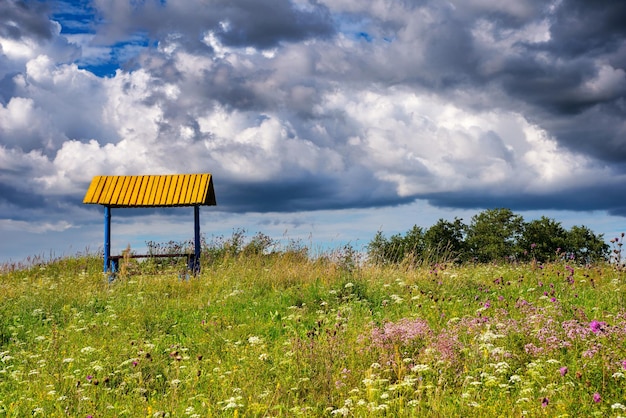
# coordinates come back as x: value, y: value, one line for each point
x: 196, y: 236
x: 107, y: 237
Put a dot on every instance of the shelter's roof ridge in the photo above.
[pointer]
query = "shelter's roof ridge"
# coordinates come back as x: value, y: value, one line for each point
x: 152, y: 190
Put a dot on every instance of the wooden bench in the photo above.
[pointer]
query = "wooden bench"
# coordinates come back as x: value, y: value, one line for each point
x: 191, y: 260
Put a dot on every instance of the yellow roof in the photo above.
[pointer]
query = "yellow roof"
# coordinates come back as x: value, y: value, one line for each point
x: 148, y: 191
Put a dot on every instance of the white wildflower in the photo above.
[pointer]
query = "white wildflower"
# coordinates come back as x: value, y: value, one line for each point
x: 254, y: 340
x: 341, y: 411
x: 420, y: 368
x: 232, y: 403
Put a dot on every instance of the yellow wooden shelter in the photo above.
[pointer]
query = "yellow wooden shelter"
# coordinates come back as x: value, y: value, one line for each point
x: 151, y: 191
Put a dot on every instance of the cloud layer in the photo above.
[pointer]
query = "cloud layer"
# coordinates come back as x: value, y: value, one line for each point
x: 299, y: 105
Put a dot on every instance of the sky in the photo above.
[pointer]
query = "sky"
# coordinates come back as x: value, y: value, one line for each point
x: 321, y: 121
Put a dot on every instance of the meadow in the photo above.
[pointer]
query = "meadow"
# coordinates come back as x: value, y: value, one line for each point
x: 286, y: 334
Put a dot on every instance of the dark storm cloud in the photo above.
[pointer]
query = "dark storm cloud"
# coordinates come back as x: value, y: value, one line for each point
x: 573, y: 84
x: 13, y: 196
x: 583, y: 199
x: 588, y: 28
x: 599, y: 131
x: 24, y: 19
x: 265, y: 24
x: 259, y: 24
x: 294, y: 195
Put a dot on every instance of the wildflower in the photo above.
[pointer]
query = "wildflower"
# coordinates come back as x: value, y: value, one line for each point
x: 545, y: 402
x: 618, y: 406
x: 254, y: 340
x: 624, y: 364
x: 563, y: 371
x: 420, y: 368
x: 404, y: 331
x: 343, y: 411
x: 596, y: 397
x: 597, y: 326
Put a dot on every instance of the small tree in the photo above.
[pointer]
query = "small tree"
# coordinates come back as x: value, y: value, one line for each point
x: 395, y: 249
x: 541, y: 238
x: 582, y: 245
x: 446, y: 238
x: 493, y: 235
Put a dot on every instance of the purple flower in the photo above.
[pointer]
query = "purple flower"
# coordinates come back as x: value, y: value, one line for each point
x: 89, y: 377
x: 405, y: 331
x: 563, y: 371
x: 596, y: 326
x: 553, y: 299
x: 545, y: 402
x: 533, y: 245
x: 596, y: 397
x: 624, y: 364
x: 487, y: 305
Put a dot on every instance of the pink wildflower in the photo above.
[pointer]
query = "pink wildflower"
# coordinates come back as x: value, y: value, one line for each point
x: 545, y: 402
x: 596, y: 397
x: 597, y: 326
x: 563, y: 371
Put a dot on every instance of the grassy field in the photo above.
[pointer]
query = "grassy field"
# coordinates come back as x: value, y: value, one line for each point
x: 284, y: 335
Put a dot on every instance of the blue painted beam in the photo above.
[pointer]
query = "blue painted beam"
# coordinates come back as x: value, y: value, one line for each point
x: 107, y: 237
x: 196, y: 239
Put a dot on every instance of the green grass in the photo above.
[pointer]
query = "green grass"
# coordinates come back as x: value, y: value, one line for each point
x: 283, y: 335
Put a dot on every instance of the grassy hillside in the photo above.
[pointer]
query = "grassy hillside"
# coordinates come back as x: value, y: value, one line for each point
x: 286, y: 336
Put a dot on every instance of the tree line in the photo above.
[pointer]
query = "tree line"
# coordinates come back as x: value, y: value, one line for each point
x: 494, y: 235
